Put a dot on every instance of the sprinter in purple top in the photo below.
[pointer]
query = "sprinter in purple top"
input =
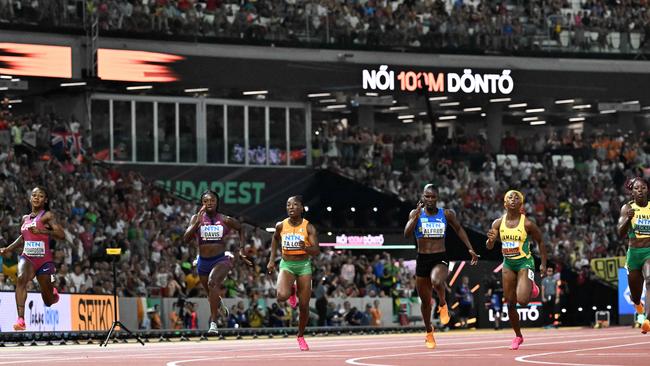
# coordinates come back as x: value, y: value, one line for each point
x: 36, y: 229
x: 209, y: 228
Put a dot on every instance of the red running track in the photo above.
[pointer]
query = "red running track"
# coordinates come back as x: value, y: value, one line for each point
x: 576, y: 347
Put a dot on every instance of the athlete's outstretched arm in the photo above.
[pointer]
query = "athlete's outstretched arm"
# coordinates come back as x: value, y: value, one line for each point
x: 236, y: 225
x: 536, y: 233
x: 493, y: 234
x: 453, y: 221
x: 624, y: 220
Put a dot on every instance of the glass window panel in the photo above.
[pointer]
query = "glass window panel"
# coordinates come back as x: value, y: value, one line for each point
x: 144, y: 131
x: 256, y: 135
x: 166, y: 132
x: 187, y: 135
x: 122, y: 130
x: 278, y: 136
x: 297, y: 141
x: 215, y: 138
x: 236, y: 135
x: 101, y: 128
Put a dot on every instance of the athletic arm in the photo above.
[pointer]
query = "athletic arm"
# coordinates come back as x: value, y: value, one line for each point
x: 624, y: 220
x: 493, y: 233
x: 313, y: 249
x: 16, y: 245
x: 413, y: 220
x: 55, y: 230
x: 462, y: 234
x: 234, y: 224
x: 191, y: 230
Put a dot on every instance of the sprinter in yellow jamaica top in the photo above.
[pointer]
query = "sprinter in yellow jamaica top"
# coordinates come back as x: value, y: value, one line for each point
x: 634, y: 223
x: 515, y: 232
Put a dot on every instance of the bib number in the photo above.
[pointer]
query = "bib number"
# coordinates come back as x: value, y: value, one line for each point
x: 211, y: 232
x: 433, y: 229
x: 292, y: 241
x: 34, y: 249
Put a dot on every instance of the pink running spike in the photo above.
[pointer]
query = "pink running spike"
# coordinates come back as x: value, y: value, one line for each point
x: 534, y: 290
x: 516, y: 342
x: 293, y: 299
x: 302, y: 344
x: 20, y: 324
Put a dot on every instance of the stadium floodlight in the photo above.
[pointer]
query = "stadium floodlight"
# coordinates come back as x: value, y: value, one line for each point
x: 78, y: 83
x: 433, y: 99
x: 329, y: 209
x: 374, y: 209
x: 582, y: 106
x: 535, y: 110
x: 500, y: 100
x: 353, y: 209
x: 473, y: 109
x: 331, y: 100
x: 15, y: 101
x: 336, y: 106
x: 6, y: 77
x: 408, y: 120
x: 255, y: 92
x: 398, y: 108
x: 580, y: 309
x: 139, y: 87
x: 631, y: 102
x: 270, y: 229
x: 318, y: 95
x: 576, y: 119
x: 565, y: 101
x: 406, y: 116
x: 537, y: 123
x: 528, y: 119
x: 197, y: 90
x: 306, y: 208
x: 372, y: 94
x: 449, y: 104
x: 329, y: 233
x: 446, y: 118
x: 4, y: 88
x: 483, y: 114
x: 594, y: 308
x: 608, y: 111
x: 609, y: 307
x: 518, y: 105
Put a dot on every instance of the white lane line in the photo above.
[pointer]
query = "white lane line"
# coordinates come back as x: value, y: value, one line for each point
x: 356, y: 361
x: 525, y: 358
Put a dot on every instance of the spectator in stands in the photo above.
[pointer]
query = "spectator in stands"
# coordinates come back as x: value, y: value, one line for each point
x: 465, y: 300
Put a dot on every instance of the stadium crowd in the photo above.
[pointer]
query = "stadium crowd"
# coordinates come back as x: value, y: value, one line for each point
x: 428, y: 24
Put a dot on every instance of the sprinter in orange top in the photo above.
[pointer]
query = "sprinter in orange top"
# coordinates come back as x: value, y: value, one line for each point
x: 299, y: 241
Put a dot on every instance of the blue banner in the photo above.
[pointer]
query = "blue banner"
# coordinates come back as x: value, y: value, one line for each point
x: 625, y: 306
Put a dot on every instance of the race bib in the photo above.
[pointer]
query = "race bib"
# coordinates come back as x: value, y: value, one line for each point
x: 642, y: 226
x: 211, y: 232
x: 292, y: 241
x: 433, y: 229
x: 531, y: 274
x: 34, y: 249
x: 510, y: 248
